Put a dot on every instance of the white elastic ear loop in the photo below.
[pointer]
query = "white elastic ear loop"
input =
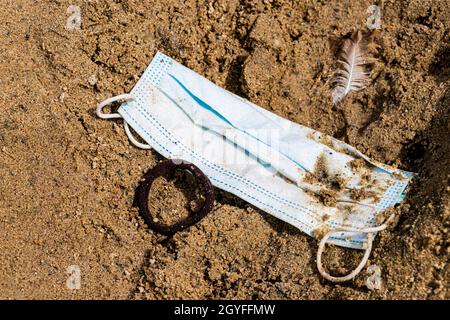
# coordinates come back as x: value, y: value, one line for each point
x: 370, y: 236
x: 99, y: 109
x: 133, y: 139
x: 102, y: 115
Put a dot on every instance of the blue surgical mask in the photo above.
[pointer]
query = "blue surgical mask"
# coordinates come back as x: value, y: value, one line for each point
x: 314, y: 182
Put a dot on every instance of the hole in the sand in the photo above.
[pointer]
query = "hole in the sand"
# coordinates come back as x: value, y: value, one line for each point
x: 175, y: 196
x: 415, y: 151
x: 440, y: 67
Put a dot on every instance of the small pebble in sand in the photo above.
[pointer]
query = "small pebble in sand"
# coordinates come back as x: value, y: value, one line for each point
x: 373, y: 282
x: 74, y: 21
x: 62, y: 97
x: 93, y: 80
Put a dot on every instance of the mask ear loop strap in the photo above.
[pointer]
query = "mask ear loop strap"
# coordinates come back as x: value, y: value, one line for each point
x: 102, y: 115
x: 133, y: 139
x: 100, y: 106
x: 370, y: 236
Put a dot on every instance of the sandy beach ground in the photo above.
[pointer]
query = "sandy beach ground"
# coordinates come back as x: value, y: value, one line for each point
x: 68, y: 178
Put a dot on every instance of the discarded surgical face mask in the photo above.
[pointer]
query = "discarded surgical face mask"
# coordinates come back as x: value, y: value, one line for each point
x: 314, y: 182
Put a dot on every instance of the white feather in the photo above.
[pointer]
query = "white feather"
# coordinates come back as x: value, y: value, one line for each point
x: 353, y: 75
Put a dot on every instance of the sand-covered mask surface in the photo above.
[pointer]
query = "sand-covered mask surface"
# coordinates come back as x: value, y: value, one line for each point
x: 68, y: 179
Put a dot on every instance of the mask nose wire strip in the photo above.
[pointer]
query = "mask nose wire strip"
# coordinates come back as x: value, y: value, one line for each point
x: 370, y: 235
x: 102, y: 115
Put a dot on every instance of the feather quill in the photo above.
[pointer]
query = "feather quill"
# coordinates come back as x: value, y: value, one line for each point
x: 353, y: 75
